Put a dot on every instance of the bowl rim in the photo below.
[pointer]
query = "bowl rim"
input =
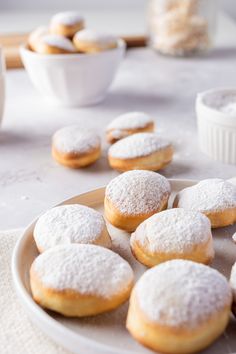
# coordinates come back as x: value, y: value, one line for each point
x: 208, y: 113
x: 121, y: 46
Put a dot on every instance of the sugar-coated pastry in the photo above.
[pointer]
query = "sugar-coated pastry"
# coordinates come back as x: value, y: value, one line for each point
x: 75, y: 147
x: 134, y: 196
x: 233, y: 287
x: 141, y: 151
x: 179, y: 307
x: 80, y: 280
x: 171, y: 234
x: 53, y: 44
x: 73, y: 223
x: 128, y: 124
x: 213, y: 197
x: 89, y: 41
x: 35, y: 36
x: 66, y: 23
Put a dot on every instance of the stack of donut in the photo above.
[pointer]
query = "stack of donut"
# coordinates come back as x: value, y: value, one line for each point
x: 180, y: 305
x: 66, y: 34
x: 135, y: 145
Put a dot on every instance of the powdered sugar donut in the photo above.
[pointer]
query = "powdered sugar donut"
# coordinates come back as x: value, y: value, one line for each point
x: 73, y: 223
x: 75, y: 147
x: 66, y: 23
x: 134, y: 196
x: 35, y: 36
x: 80, y: 280
x: 89, y: 41
x: 53, y: 44
x: 140, y: 151
x: 213, y: 197
x: 173, y: 233
x: 128, y: 124
x: 179, y: 307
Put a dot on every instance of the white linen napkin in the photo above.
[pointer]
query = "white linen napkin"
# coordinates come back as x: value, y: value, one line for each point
x: 17, y: 334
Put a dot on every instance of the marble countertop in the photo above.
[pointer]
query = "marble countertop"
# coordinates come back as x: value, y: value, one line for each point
x: 30, y: 181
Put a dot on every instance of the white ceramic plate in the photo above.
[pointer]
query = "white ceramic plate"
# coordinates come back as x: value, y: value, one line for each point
x: 106, y: 334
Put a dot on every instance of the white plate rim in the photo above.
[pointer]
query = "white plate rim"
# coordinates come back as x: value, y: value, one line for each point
x: 51, y: 327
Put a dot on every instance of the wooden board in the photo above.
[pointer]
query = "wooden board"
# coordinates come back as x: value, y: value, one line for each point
x: 11, y: 43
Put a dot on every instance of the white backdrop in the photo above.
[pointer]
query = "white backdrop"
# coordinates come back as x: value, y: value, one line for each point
x: 69, y: 4
x: 228, y: 5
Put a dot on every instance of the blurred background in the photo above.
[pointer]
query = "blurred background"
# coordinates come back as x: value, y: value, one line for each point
x: 24, y: 15
x: 99, y: 5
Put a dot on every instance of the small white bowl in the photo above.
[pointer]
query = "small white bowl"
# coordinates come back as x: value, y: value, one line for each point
x: 73, y: 79
x: 216, y: 127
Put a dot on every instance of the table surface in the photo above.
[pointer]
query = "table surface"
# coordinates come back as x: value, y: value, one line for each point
x: 30, y: 181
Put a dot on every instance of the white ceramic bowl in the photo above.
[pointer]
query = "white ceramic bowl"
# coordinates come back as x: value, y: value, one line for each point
x: 216, y: 129
x: 73, y: 79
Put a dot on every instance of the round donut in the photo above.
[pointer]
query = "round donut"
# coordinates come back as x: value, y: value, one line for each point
x: 80, y: 280
x: 214, y: 197
x: 141, y: 151
x: 134, y: 196
x: 171, y: 234
x: 75, y: 147
x: 128, y: 124
x: 66, y: 23
x: 89, y: 41
x: 179, y: 307
x: 35, y: 36
x: 73, y: 223
x: 53, y: 44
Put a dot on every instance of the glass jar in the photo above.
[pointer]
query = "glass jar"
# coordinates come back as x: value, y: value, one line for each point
x: 182, y: 27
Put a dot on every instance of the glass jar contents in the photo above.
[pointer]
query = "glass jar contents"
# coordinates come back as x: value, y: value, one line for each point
x: 181, y: 27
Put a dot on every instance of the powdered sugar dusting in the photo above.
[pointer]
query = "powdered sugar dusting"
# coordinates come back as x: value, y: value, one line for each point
x: 208, y: 195
x: 91, y: 36
x: 75, y: 139
x: 68, y: 18
x: 138, y: 192
x: 138, y: 145
x: 89, y: 269
x: 174, y: 230
x: 68, y: 224
x: 182, y: 293
x: 223, y: 100
x: 55, y: 40
x: 37, y: 33
x: 130, y: 120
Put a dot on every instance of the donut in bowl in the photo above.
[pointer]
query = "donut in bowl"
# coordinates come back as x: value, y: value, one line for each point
x: 66, y: 23
x: 90, y: 41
